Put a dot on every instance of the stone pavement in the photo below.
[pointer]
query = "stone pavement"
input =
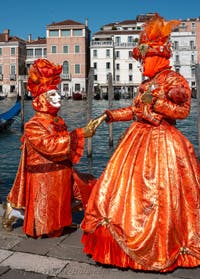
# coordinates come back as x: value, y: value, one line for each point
x: 62, y: 257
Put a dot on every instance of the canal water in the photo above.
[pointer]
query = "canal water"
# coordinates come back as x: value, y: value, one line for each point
x: 75, y: 115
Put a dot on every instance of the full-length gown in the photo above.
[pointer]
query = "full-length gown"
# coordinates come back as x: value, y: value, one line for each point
x: 144, y: 210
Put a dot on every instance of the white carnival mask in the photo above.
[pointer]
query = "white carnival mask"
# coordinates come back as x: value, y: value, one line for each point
x: 54, y: 98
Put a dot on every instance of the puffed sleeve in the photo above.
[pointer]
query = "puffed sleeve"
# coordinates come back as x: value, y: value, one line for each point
x: 175, y: 104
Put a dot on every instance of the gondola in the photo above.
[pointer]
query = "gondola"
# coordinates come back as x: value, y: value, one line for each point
x: 8, y: 117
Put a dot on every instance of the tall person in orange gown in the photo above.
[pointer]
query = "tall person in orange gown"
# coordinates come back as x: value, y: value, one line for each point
x: 44, y: 183
x: 144, y: 211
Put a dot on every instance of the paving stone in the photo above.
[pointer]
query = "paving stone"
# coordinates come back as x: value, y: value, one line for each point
x: 37, y: 246
x: 84, y: 271
x: 8, y: 241
x: 74, y: 239
x: 35, y: 263
x: 70, y: 253
x: 4, y: 254
x: 4, y: 269
x: 189, y: 273
x: 21, y: 274
x: 76, y: 270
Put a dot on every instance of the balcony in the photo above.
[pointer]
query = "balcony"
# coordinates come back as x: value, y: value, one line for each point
x: 101, y: 44
x: 125, y: 45
x: 12, y: 77
x: 65, y: 76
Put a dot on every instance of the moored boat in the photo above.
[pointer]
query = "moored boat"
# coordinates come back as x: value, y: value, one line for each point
x: 8, y: 117
x: 78, y: 95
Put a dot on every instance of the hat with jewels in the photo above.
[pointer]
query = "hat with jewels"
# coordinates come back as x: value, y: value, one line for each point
x: 154, y: 38
x: 43, y: 76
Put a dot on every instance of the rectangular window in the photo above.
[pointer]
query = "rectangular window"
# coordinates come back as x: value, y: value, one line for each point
x: 94, y: 53
x: 53, y: 49
x: 12, y: 50
x: 107, y: 52
x: 65, y: 49
x: 77, y: 69
x: 117, y: 40
x: 117, y: 54
x: 12, y: 70
x: 192, y: 58
x: 130, y: 77
x: 130, y: 39
x: 95, y: 65
x: 107, y: 65
x: 65, y: 33
x: 130, y: 54
x: 0, y: 51
x: 53, y: 33
x: 177, y: 59
x: 77, y: 32
x: 29, y: 52
x: 66, y: 87
x: 0, y: 69
x: 175, y: 45
x: 95, y: 77
x: 117, y: 66
x: 38, y: 52
x: 192, y: 44
x: 77, y: 49
x: 77, y: 87
x: 130, y: 66
x: 117, y: 78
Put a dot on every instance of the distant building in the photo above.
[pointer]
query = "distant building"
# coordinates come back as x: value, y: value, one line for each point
x: 12, y: 62
x: 68, y: 44
x: 109, y: 51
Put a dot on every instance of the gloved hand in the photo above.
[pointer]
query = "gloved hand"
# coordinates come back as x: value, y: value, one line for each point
x: 91, y: 127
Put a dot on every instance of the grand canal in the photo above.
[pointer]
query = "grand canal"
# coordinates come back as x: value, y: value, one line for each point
x: 74, y: 113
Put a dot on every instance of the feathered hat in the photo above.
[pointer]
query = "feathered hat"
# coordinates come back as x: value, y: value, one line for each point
x: 154, y: 38
x: 43, y: 76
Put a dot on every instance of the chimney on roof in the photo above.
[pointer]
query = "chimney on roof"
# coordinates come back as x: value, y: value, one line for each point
x: 86, y: 22
x: 6, y: 33
x: 29, y: 38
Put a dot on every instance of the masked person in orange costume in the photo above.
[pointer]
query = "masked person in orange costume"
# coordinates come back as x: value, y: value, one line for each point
x: 43, y: 185
x: 144, y: 211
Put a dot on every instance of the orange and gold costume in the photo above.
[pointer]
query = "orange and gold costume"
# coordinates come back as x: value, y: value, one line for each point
x: 45, y: 182
x: 144, y: 211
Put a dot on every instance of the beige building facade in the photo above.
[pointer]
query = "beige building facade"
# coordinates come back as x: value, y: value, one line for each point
x: 109, y: 51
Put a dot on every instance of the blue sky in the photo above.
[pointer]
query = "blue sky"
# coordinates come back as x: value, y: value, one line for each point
x: 25, y: 17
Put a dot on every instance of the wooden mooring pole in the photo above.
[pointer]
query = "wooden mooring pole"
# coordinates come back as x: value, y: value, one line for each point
x: 197, y: 76
x: 110, y: 104
x: 21, y: 94
x: 89, y: 107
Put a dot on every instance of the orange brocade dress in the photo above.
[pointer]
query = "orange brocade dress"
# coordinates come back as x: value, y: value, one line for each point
x: 144, y: 211
x: 44, y: 182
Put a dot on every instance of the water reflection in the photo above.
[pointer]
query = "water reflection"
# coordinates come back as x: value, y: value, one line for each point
x: 74, y: 113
